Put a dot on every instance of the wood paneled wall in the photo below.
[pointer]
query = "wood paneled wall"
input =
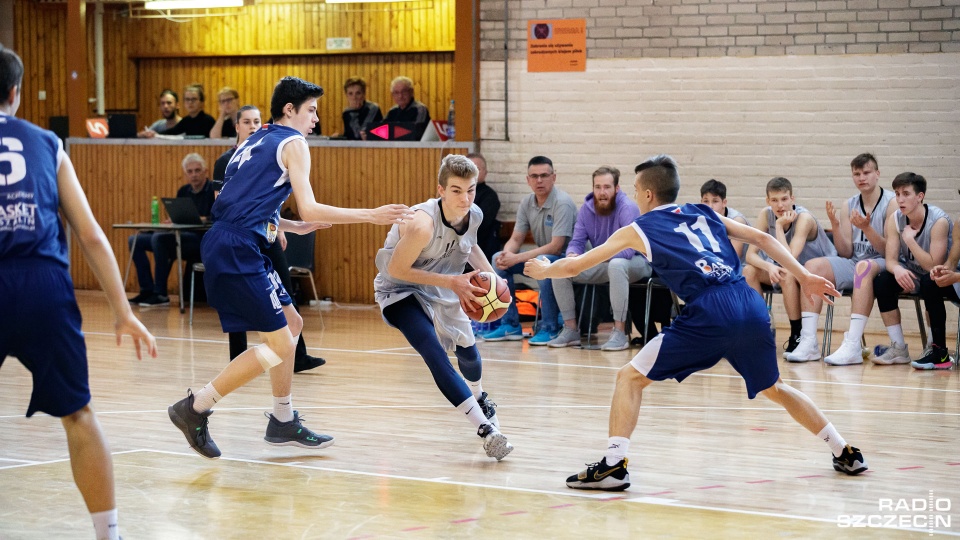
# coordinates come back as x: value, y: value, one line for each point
x: 249, y: 51
x: 120, y: 179
x: 255, y: 77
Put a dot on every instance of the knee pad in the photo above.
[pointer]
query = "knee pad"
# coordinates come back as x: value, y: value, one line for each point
x: 267, y: 357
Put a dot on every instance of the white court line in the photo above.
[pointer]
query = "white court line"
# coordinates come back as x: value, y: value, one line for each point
x: 29, y: 461
x: 385, y: 352
x: 389, y: 350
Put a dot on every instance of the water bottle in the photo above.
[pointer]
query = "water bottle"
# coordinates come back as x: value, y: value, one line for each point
x: 155, y: 210
x: 451, y: 118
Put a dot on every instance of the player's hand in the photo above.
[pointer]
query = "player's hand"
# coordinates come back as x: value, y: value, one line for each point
x: 282, y: 238
x: 787, y: 218
x: 131, y: 326
x: 776, y: 274
x: 860, y: 222
x: 389, y: 214
x: 832, y: 214
x: 905, y: 278
x: 507, y: 260
x: 467, y: 291
x: 814, y: 285
x: 909, y: 233
x: 943, y: 276
x: 536, y: 268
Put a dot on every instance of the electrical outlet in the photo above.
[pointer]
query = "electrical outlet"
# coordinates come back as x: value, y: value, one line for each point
x: 42, y: 95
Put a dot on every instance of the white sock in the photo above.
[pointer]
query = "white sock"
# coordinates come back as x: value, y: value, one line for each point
x: 833, y: 439
x: 617, y: 448
x: 283, y: 408
x: 476, y: 388
x: 857, y: 323
x: 808, y: 324
x: 206, y: 398
x: 896, y: 334
x: 474, y: 413
x: 105, y: 525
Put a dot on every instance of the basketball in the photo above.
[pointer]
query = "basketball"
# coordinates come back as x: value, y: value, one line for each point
x: 494, y: 302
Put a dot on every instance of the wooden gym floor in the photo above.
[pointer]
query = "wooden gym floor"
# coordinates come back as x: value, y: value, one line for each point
x: 706, y: 462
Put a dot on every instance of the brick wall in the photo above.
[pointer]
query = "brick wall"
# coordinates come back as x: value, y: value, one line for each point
x: 686, y: 28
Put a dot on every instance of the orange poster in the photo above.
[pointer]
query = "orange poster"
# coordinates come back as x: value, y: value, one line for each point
x: 557, y: 45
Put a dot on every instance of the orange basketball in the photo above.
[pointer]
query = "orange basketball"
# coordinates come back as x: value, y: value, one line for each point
x: 494, y: 302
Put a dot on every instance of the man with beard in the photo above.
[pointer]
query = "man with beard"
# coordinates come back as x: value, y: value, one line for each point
x: 169, y: 105
x: 604, y: 212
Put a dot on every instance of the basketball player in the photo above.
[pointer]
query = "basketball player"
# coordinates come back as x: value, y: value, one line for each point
x: 39, y: 317
x: 423, y: 292
x: 241, y: 283
x: 689, y: 249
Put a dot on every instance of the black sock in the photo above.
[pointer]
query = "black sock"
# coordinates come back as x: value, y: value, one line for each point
x: 795, y: 327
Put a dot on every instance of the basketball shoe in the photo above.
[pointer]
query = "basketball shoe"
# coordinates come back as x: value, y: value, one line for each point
x: 791, y: 344
x: 602, y: 476
x: 293, y: 433
x: 848, y: 354
x: 850, y: 461
x: 194, y: 426
x: 489, y: 409
x: 504, y: 332
x: 936, y: 358
x: 494, y: 442
x: 892, y: 354
x: 808, y: 349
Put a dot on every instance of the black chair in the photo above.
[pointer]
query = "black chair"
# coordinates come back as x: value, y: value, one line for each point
x: 300, y: 257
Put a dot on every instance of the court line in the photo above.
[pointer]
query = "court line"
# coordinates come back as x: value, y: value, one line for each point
x: 385, y: 352
x: 565, y: 493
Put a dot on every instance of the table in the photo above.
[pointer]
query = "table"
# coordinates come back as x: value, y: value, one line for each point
x: 166, y: 227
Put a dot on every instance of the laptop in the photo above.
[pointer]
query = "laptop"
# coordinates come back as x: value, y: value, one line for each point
x: 182, y: 211
x: 122, y: 126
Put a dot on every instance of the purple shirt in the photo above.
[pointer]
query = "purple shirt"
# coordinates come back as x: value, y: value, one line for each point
x: 597, y: 229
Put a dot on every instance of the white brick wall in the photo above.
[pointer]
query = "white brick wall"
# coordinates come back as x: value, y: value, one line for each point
x: 740, y: 120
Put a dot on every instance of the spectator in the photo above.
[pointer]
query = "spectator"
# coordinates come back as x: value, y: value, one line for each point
x: 169, y: 104
x: 407, y: 109
x: 229, y: 100
x: 197, y: 123
x: 488, y: 236
x: 153, y: 288
x: 713, y: 193
x: 360, y: 114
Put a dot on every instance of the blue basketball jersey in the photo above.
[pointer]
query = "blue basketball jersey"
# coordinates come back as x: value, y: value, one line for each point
x: 256, y: 183
x: 688, y: 248
x: 30, y: 225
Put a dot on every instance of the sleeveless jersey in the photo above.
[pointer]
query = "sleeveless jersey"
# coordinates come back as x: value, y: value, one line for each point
x: 688, y: 248
x: 30, y: 225
x: 821, y: 246
x: 862, y: 248
x: 932, y: 215
x: 734, y: 214
x: 256, y: 183
x: 446, y: 253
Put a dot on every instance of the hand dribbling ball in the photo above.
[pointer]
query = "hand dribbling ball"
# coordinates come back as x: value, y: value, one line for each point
x: 494, y: 302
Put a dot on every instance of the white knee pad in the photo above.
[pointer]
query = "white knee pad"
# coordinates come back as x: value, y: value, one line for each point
x: 267, y: 357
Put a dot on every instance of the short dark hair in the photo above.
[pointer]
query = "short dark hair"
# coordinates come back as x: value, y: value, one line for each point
x: 539, y: 160
x: 779, y: 183
x: 244, y: 109
x: 171, y: 93
x: 660, y: 176
x: 714, y: 187
x: 355, y: 81
x: 11, y: 72
x: 292, y: 90
x: 607, y: 169
x: 198, y: 88
x: 861, y: 161
x: 914, y: 180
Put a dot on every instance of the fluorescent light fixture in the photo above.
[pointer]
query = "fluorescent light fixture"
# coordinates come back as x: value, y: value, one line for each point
x: 364, y: 1
x: 192, y: 4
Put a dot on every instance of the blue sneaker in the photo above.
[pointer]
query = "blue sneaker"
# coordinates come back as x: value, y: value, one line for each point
x: 542, y: 337
x: 505, y: 332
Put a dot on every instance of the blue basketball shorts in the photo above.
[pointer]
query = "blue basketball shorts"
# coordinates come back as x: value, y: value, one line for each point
x: 726, y: 321
x: 40, y: 325
x: 240, y: 281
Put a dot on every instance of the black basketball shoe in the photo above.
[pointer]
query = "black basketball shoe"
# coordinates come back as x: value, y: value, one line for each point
x: 602, y: 476
x: 489, y: 409
x: 850, y: 461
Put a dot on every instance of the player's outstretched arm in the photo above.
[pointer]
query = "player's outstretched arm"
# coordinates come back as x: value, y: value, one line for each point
x: 100, y: 257
x: 301, y: 227
x: 811, y: 284
x: 625, y: 238
x: 296, y: 157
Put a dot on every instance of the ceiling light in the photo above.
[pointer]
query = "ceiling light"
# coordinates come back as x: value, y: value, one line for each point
x: 192, y: 4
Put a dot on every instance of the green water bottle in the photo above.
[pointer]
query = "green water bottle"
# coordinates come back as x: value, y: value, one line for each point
x: 155, y: 210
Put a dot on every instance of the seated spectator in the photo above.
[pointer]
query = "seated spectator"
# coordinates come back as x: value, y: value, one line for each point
x: 797, y: 230
x: 942, y: 282
x: 488, y: 236
x: 169, y: 103
x: 407, y: 109
x: 360, y: 114
x: 549, y: 213
x: 603, y: 213
x: 713, y: 193
x: 916, y: 241
x: 197, y: 123
x: 153, y: 288
x: 229, y: 100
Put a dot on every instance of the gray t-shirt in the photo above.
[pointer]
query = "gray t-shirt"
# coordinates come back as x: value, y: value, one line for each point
x: 821, y: 246
x: 556, y: 217
x: 160, y: 126
x: 932, y: 215
x: 862, y: 248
